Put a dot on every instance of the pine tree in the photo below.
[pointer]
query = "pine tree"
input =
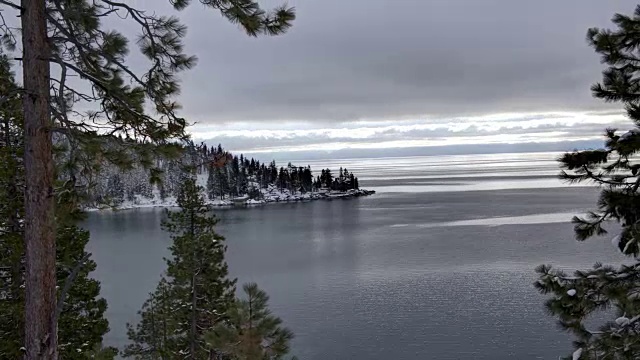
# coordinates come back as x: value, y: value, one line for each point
x: 154, y: 335
x: 253, y: 166
x: 226, y: 177
x: 212, y: 182
x: 82, y: 323
x: 327, y: 181
x: 243, y: 181
x: 197, y: 271
x: 101, y: 353
x: 251, y: 332
x: 574, y: 299
x: 63, y: 39
x: 115, y: 189
x: 173, y: 176
x: 199, y: 289
x: 223, y: 181
x: 11, y: 216
x: 273, y: 172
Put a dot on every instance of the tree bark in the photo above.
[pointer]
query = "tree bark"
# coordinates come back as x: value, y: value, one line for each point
x: 40, y: 278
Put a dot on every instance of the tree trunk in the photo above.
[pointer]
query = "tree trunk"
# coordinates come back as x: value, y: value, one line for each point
x: 40, y: 303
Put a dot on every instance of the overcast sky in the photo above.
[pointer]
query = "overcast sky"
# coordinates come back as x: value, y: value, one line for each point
x: 400, y: 73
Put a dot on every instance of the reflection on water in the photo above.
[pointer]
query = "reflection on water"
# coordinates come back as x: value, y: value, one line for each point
x: 563, y: 217
x: 399, y: 275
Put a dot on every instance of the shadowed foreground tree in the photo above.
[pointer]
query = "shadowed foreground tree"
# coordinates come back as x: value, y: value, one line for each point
x: 61, y: 39
x: 11, y: 215
x: 576, y: 298
x: 81, y: 313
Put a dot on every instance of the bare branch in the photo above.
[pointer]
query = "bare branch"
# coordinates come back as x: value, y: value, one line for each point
x: 9, y: 37
x: 10, y: 4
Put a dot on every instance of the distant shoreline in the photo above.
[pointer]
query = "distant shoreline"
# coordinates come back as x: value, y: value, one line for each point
x: 270, y: 196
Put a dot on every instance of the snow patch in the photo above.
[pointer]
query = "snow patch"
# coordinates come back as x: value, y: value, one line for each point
x: 622, y: 321
x: 576, y: 354
x: 266, y: 195
x: 629, y: 134
x: 549, y: 218
x: 616, y: 242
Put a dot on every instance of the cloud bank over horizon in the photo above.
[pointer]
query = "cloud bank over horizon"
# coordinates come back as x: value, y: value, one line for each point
x: 364, y: 74
x: 466, y: 132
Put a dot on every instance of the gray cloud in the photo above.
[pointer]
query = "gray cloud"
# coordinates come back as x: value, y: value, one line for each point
x: 392, y: 59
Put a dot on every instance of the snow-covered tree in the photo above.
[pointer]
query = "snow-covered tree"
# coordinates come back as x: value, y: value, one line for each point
x: 225, y: 176
x: 199, y: 289
x: 609, y: 289
x: 81, y: 324
x: 212, y: 182
x: 115, y: 189
x: 155, y: 335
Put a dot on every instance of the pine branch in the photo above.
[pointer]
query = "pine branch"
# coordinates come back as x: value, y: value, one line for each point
x: 10, y: 4
x: 100, y: 85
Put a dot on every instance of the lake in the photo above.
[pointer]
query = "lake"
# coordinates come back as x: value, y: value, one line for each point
x: 439, y: 264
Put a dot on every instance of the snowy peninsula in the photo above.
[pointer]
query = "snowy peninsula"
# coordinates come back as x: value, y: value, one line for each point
x: 225, y: 180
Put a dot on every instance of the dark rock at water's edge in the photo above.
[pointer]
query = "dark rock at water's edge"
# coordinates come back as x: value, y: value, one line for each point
x: 284, y: 196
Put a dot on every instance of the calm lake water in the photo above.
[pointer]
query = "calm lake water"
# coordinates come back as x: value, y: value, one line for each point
x: 439, y: 264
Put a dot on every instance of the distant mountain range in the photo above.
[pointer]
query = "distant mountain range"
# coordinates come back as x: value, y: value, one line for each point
x: 428, y: 151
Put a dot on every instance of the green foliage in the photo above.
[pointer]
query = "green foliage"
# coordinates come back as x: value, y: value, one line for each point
x: 82, y: 47
x: 251, y: 332
x: 81, y: 323
x: 123, y: 115
x: 115, y: 104
x: 153, y: 337
x: 11, y: 213
x: 232, y: 176
x: 575, y: 299
x: 197, y: 293
x: 101, y: 353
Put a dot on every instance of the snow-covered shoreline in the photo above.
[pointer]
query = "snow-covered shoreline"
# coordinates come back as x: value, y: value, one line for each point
x: 268, y: 195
